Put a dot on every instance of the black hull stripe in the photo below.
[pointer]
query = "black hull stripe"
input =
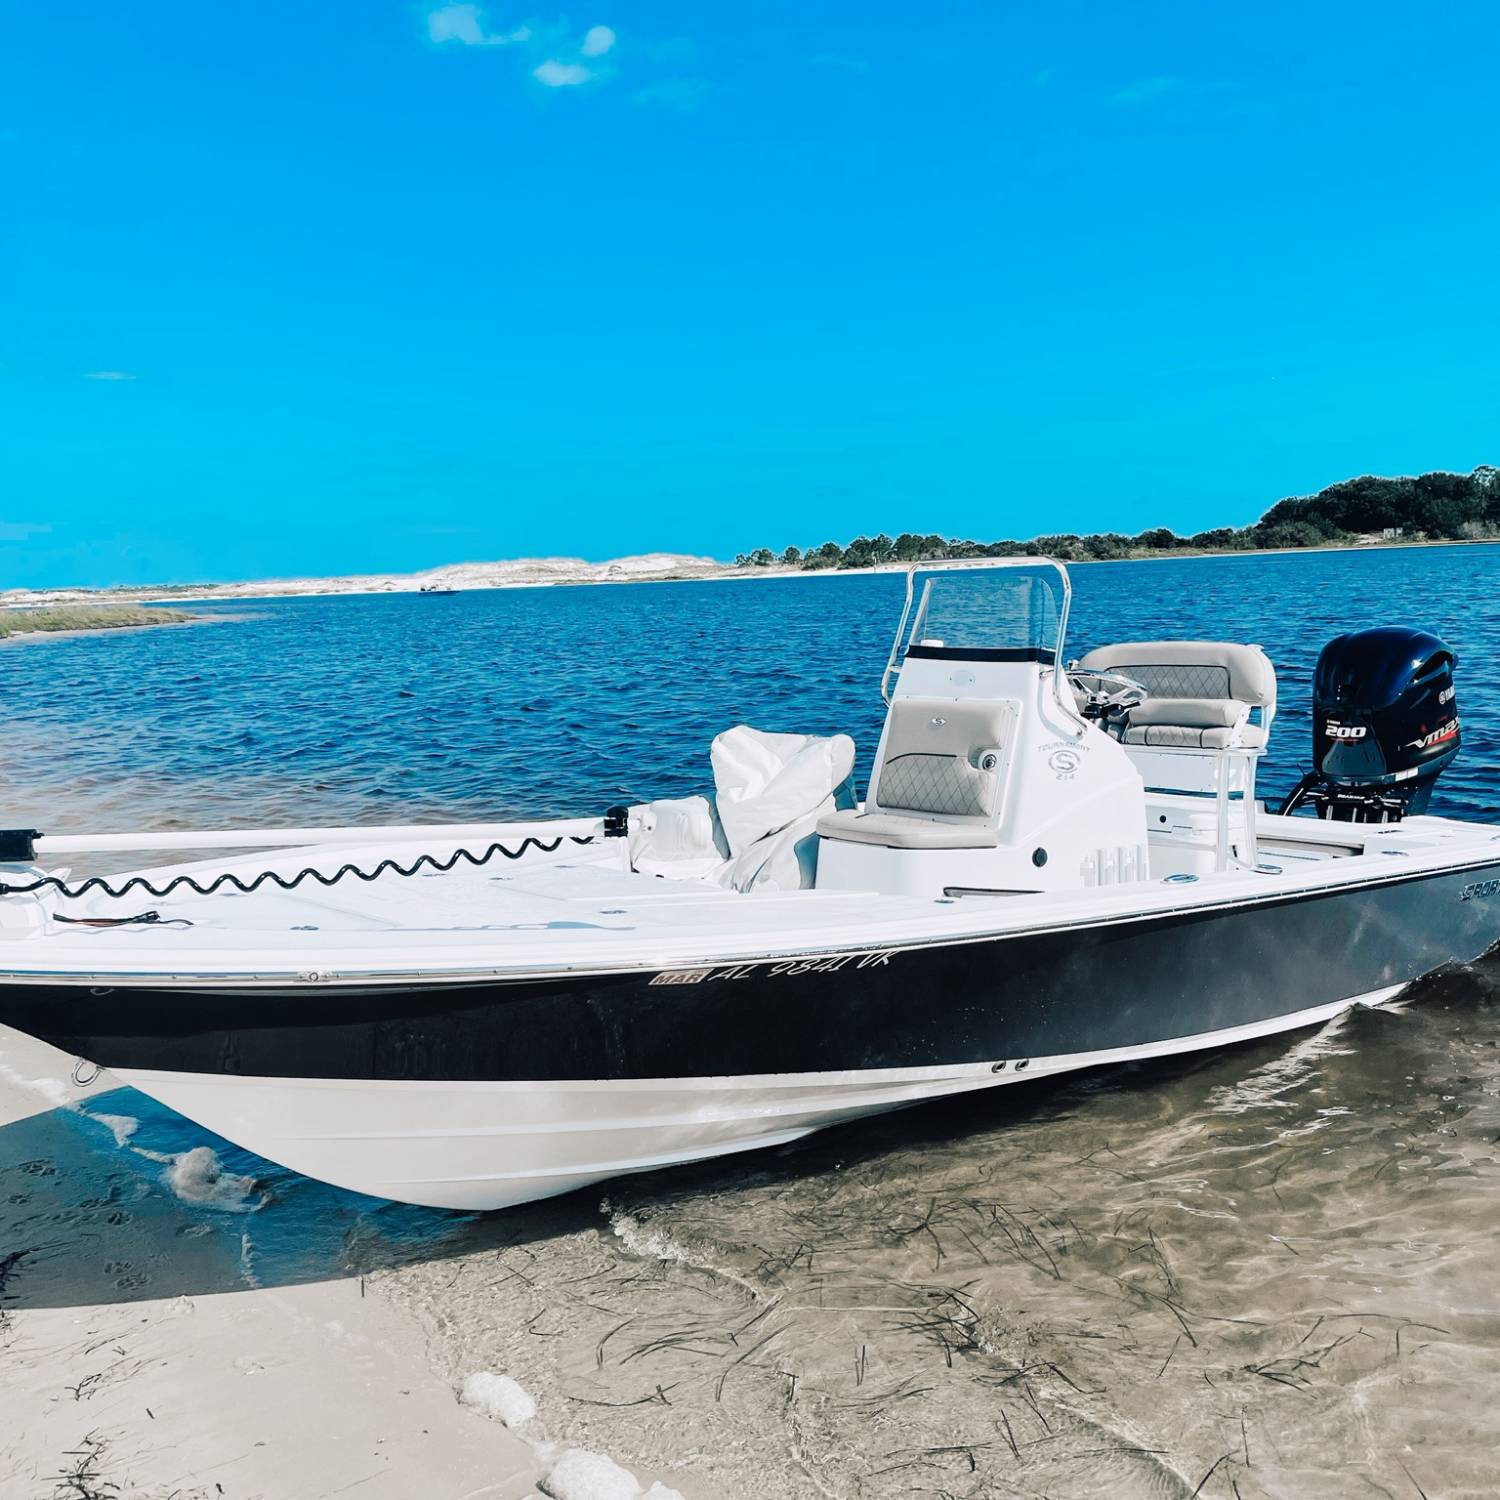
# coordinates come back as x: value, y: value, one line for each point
x: 1036, y: 994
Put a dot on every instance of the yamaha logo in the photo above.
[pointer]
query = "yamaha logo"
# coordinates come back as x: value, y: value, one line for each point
x: 1443, y: 732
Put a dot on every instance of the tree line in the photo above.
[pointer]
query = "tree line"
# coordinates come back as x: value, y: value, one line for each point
x: 1429, y: 507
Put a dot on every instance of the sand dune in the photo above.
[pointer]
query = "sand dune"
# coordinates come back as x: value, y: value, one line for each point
x: 525, y: 572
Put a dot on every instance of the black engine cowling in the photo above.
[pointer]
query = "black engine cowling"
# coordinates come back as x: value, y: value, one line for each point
x: 1385, y: 725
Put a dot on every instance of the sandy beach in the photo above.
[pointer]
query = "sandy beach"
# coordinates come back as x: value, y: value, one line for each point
x: 549, y: 572
x: 139, y: 1359
x: 523, y: 572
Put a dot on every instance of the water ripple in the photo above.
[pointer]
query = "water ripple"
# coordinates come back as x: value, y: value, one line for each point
x: 555, y: 701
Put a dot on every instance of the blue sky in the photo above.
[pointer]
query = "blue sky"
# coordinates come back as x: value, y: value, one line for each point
x: 339, y: 286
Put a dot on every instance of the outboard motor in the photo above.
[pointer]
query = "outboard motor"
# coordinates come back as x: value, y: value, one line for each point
x: 1385, y: 725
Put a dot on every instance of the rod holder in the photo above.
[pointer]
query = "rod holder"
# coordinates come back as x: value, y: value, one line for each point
x: 18, y: 845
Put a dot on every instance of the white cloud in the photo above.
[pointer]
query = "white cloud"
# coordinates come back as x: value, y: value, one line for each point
x: 107, y: 375
x: 557, y: 56
x: 465, y: 24
x: 561, y: 75
x: 597, y: 41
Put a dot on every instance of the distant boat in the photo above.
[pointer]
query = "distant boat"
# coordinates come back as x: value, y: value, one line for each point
x: 436, y: 588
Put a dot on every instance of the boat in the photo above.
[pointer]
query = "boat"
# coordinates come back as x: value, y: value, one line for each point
x: 437, y: 588
x: 1056, y: 864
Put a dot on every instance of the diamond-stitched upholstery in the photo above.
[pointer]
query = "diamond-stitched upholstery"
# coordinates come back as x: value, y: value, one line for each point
x: 1182, y: 680
x: 941, y: 759
x: 944, y: 757
x: 937, y: 784
x: 1191, y: 669
x: 1200, y: 693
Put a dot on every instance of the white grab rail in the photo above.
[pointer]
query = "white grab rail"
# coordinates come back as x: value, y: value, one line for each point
x: 290, y: 838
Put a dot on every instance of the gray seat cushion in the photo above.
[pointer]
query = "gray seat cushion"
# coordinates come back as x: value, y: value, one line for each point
x: 1195, y: 736
x: 943, y: 755
x: 905, y: 831
x: 1200, y: 693
x: 1196, y: 713
x: 939, y: 784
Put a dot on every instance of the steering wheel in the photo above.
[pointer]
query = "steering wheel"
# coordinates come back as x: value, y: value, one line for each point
x: 1106, y: 695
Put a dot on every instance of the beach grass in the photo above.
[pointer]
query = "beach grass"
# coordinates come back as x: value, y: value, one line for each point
x: 85, y: 617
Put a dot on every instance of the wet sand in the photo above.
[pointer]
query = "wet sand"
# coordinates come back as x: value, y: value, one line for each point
x: 156, y: 1340
x: 34, y: 637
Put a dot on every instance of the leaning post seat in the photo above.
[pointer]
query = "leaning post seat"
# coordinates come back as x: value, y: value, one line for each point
x: 1200, y: 698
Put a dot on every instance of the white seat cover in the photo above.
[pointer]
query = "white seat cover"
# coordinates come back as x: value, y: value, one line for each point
x: 770, y: 790
x: 676, y: 836
x: 763, y: 782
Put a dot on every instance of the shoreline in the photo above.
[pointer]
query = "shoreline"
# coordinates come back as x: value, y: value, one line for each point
x: 725, y: 573
x: 1180, y: 554
x: 32, y: 637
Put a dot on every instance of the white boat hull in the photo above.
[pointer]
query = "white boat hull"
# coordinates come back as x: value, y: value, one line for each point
x: 491, y: 1145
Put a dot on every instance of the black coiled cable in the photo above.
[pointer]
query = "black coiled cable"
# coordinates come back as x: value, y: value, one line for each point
x: 285, y: 882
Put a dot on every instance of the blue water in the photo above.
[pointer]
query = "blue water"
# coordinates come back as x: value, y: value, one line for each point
x: 555, y: 701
